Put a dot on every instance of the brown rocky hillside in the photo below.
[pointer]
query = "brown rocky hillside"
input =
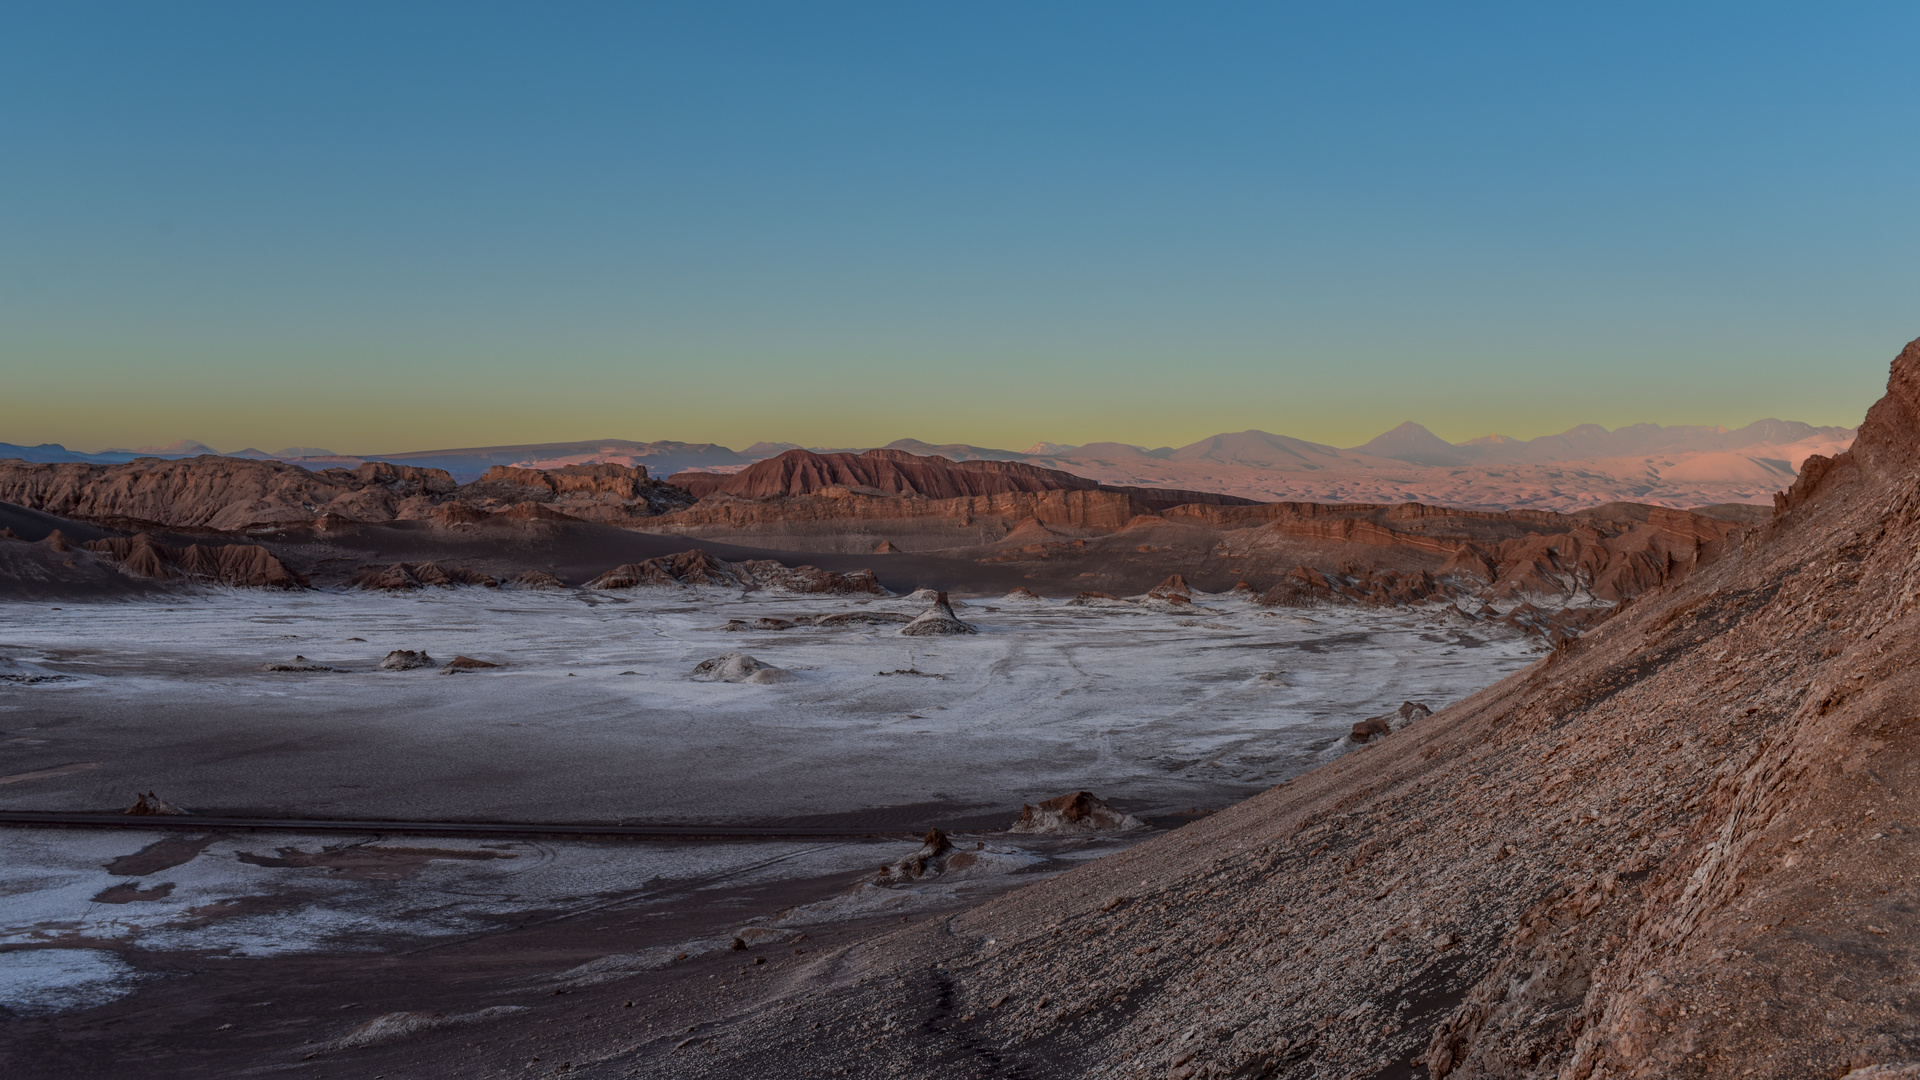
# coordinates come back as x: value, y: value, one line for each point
x: 1684, y: 845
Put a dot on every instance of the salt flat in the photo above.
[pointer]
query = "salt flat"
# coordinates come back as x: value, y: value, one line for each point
x: 593, y: 716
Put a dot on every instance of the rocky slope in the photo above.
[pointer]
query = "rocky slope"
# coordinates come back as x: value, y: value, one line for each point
x: 235, y: 494
x: 1682, y: 845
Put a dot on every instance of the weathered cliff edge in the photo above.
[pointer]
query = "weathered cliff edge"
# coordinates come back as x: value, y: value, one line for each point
x: 225, y: 494
x: 1685, y: 844
x: 1295, y: 553
x: 1039, y: 525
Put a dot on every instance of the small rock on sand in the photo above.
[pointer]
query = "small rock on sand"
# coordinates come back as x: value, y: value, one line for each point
x: 737, y: 667
x: 149, y: 804
x: 406, y: 660
x: 298, y: 663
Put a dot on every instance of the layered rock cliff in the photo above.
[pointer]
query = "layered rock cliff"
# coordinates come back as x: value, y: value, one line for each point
x: 235, y: 494
x: 1686, y: 844
x: 897, y: 472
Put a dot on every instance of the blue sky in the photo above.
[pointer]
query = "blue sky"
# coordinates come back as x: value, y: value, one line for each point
x: 388, y: 227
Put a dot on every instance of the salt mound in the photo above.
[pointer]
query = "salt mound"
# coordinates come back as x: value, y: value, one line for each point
x: 930, y: 596
x: 468, y: 663
x: 938, y: 619
x: 735, y: 667
x: 1080, y: 812
x: 1023, y: 594
x: 406, y: 660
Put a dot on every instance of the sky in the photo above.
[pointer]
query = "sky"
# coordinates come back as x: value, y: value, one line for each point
x: 387, y: 227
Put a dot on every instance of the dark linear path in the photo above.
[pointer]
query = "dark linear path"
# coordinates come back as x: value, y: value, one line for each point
x: 205, y: 822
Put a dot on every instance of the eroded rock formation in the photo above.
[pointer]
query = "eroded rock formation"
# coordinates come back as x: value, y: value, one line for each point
x: 233, y: 494
x: 221, y: 564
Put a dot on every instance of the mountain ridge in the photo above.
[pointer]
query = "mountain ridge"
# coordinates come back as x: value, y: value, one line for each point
x: 1676, y: 466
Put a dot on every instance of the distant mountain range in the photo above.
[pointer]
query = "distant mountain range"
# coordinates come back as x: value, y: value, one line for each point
x: 1682, y: 465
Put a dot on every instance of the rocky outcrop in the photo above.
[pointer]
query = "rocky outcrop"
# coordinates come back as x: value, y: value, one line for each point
x: 698, y: 567
x: 149, y: 804
x: 1076, y: 812
x: 406, y: 660
x: 808, y: 580
x: 406, y: 577
x: 695, y: 567
x: 245, y: 565
x: 935, y: 849
x: 228, y: 494
x: 1681, y: 845
x: 611, y: 493
x: 1388, y: 723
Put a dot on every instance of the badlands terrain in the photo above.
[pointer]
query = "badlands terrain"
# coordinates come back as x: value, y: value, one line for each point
x: 759, y: 795
x: 557, y: 767
x: 1681, y: 466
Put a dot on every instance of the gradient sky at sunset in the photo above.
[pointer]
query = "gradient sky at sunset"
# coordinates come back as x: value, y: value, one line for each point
x: 385, y: 227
